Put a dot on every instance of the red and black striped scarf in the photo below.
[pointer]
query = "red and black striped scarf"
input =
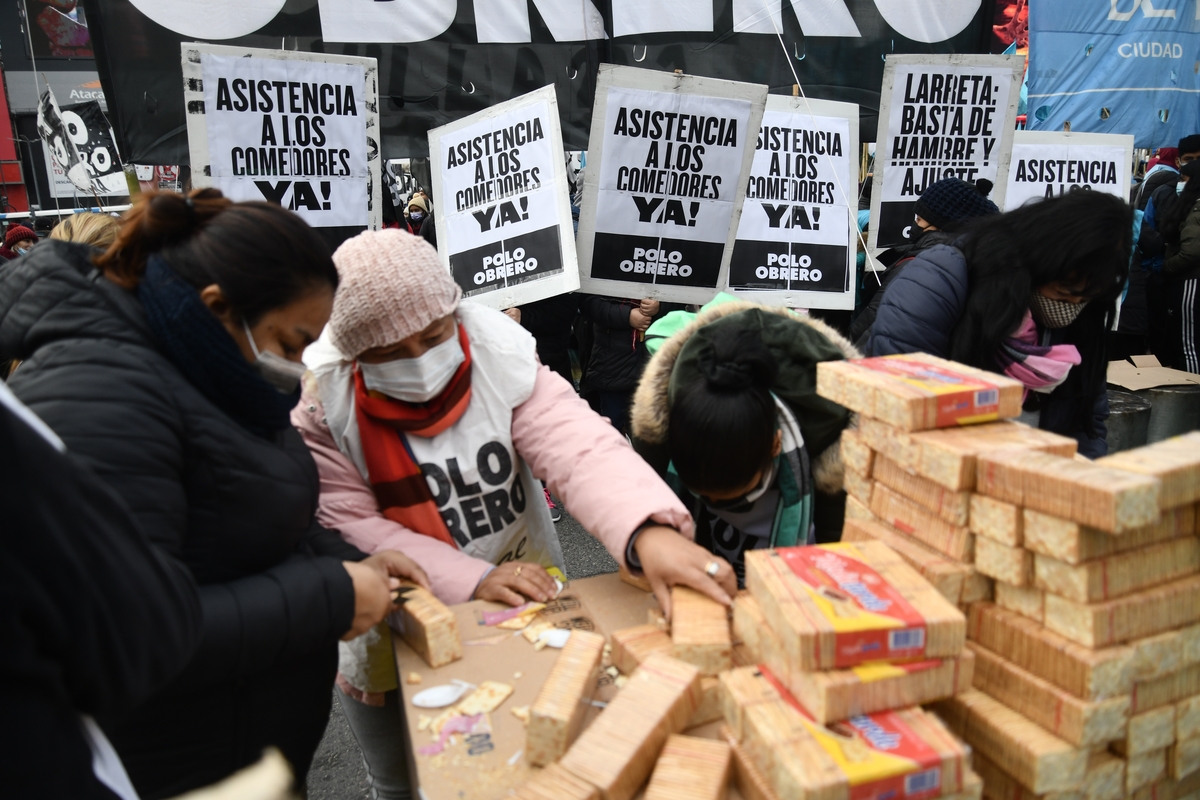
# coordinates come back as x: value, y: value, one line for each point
x: 395, y: 476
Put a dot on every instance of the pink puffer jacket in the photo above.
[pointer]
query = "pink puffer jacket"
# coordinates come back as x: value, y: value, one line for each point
x: 583, y: 459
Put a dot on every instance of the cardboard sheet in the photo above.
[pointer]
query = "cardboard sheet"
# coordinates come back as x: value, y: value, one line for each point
x: 485, y: 765
x: 1147, y: 373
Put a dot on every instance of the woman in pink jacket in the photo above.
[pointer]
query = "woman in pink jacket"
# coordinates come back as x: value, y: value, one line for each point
x: 432, y: 422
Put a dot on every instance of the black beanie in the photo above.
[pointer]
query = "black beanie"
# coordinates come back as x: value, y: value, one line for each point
x: 951, y: 201
x: 1190, y: 144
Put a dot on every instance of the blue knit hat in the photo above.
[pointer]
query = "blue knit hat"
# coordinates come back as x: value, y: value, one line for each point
x: 951, y: 201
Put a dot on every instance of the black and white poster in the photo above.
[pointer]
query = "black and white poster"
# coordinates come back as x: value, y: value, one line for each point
x: 667, y: 169
x: 796, y: 239
x: 1050, y: 163
x: 81, y: 155
x: 950, y: 116
x: 297, y: 129
x: 501, y: 202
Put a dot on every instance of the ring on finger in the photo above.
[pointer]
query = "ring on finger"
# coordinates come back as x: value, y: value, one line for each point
x: 711, y: 569
x: 517, y: 572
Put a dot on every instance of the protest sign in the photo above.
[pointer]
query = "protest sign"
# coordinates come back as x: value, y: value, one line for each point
x: 1050, y: 163
x: 667, y: 168
x: 297, y: 129
x: 796, y: 240
x: 501, y: 203
x: 949, y: 116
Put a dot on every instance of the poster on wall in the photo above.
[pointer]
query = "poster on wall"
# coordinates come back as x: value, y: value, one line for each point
x: 81, y: 140
x: 1050, y: 163
x: 667, y: 168
x: 796, y: 239
x: 297, y: 129
x: 950, y: 116
x: 501, y: 203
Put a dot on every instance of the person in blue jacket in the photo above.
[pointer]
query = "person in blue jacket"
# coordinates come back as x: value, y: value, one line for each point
x: 1063, y: 259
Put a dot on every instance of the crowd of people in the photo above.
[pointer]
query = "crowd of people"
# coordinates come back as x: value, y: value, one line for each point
x: 226, y: 446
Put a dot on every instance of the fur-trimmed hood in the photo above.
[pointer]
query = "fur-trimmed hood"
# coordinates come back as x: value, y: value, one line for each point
x: 651, y: 407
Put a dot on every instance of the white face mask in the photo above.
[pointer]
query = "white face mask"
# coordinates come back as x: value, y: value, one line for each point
x: 284, y: 375
x: 416, y: 380
x: 1179, y: 187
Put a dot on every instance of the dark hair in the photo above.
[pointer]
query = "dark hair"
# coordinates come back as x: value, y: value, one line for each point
x: 261, y: 255
x: 723, y: 422
x: 1189, y: 144
x: 1171, y: 221
x: 1083, y: 238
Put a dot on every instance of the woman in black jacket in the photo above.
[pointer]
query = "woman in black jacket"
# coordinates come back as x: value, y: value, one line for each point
x: 1014, y: 287
x: 170, y: 364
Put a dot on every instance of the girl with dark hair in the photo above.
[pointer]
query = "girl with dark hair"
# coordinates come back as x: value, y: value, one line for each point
x: 1029, y: 293
x: 727, y: 412
x: 170, y: 364
x: 1179, y: 227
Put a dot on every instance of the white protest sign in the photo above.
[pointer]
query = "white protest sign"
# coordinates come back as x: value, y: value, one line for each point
x: 796, y: 239
x: 668, y: 160
x: 297, y: 129
x: 940, y: 116
x: 501, y: 203
x: 1050, y: 163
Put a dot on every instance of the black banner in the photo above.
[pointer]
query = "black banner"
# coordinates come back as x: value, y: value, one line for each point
x: 513, y: 260
x: 425, y: 84
x: 783, y: 266
x: 644, y: 259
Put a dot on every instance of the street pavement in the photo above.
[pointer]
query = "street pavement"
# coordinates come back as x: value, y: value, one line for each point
x: 337, y: 771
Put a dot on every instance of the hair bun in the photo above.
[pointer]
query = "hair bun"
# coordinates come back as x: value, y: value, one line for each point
x: 984, y: 186
x: 738, y: 361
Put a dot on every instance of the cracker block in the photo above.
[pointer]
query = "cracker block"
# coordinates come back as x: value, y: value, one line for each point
x: 1077, y: 490
x: 1105, y: 779
x: 954, y: 541
x: 1085, y: 673
x: 1149, y: 731
x: 1040, y: 761
x: 858, y: 486
x: 1117, y: 575
x: 917, y: 391
x: 636, y: 581
x: 947, y: 457
x: 856, y: 455
x: 1027, y: 602
x: 977, y: 587
x: 856, y: 509
x: 690, y: 767
x: 996, y: 520
x: 1082, y: 723
x: 807, y: 593
x: 1187, y: 718
x: 617, y: 751
x: 1156, y: 656
x: 557, y: 714
x: 555, y: 783
x: 751, y: 782
x: 1175, y: 462
x: 1074, y: 543
x: 1166, y: 690
x: 631, y: 646
x: 739, y: 689
x: 700, y: 632
x: 949, y: 577
x: 1183, y: 758
x: 1144, y: 769
x: 999, y: 785
x: 954, y: 507
x: 709, y: 709
x: 1131, y: 616
x: 1011, y: 565
x: 428, y: 626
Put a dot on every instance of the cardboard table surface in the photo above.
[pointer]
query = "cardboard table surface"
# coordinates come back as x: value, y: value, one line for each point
x: 487, y: 765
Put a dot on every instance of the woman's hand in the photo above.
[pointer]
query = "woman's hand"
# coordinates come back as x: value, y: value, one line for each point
x: 372, y: 595
x: 649, y: 307
x: 395, y: 564
x: 508, y: 582
x: 513, y: 313
x: 638, y: 320
x: 668, y: 559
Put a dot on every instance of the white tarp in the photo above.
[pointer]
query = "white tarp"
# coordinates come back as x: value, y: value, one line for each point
x: 297, y: 129
x: 501, y: 202
x: 1050, y: 163
x: 940, y: 116
x: 667, y: 169
x: 796, y: 239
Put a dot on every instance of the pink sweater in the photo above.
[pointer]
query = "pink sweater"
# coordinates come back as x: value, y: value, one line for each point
x: 585, y: 461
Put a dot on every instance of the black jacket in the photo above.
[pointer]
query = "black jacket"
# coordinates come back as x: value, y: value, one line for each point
x: 551, y: 322
x: 922, y: 307
x: 895, y: 260
x: 618, y: 354
x: 93, y: 618
x: 236, y: 509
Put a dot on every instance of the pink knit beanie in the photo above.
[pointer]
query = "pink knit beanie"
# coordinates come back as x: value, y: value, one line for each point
x: 391, y: 285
